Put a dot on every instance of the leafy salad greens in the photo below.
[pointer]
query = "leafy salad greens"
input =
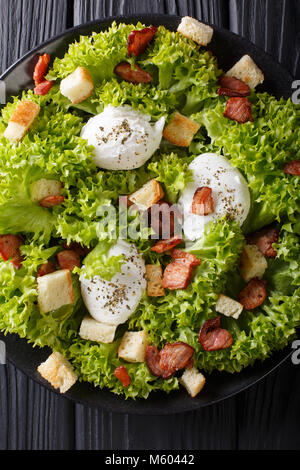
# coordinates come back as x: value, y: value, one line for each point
x: 185, y: 79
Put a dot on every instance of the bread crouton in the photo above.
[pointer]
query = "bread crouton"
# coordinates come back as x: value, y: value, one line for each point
x: 252, y: 263
x: 154, y: 275
x: 44, y: 188
x: 180, y: 130
x: 21, y: 120
x: 247, y: 71
x: 193, y: 381
x: 195, y: 30
x: 58, y: 371
x: 78, y: 86
x: 55, y: 290
x: 147, y: 195
x: 228, y: 306
x: 93, y: 330
x: 133, y: 346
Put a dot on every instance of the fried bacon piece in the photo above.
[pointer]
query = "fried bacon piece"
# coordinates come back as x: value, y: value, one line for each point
x: 177, y: 276
x: 138, y: 40
x: 122, y: 375
x: 231, y: 86
x: 203, y: 203
x: 238, y: 109
x: 161, y: 218
x: 41, y: 69
x: 185, y: 258
x: 173, y: 357
x: 292, y: 168
x: 264, y: 240
x: 212, y: 337
x: 68, y: 259
x: 46, y: 268
x: 133, y: 75
x: 10, y: 249
x: 51, y: 201
x: 254, y: 294
x: 165, y: 245
x: 79, y: 249
x: 43, y: 87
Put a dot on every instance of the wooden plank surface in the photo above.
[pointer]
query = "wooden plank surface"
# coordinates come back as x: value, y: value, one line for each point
x: 266, y: 416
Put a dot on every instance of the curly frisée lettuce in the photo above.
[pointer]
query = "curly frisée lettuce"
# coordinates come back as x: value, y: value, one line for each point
x: 184, y: 79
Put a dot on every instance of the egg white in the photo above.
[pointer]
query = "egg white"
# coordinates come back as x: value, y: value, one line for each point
x: 123, y: 138
x: 229, y: 191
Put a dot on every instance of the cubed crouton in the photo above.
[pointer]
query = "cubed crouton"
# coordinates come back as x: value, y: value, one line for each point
x: 78, y: 86
x: 58, y: 371
x: 44, y: 188
x: 154, y: 275
x: 180, y: 130
x: 195, y: 30
x: 93, y: 330
x: 21, y: 120
x: 228, y: 306
x: 247, y: 71
x: 133, y: 346
x: 193, y: 381
x: 55, y: 290
x: 147, y: 195
x: 252, y: 263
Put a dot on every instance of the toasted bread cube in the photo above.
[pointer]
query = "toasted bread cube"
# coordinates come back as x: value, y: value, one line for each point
x: 228, y: 306
x: 21, y: 120
x: 78, y: 86
x: 195, y: 30
x: 55, y: 290
x: 58, y: 371
x: 180, y: 130
x: 247, y: 71
x: 252, y: 263
x: 93, y: 330
x: 147, y: 195
x: 44, y: 188
x: 133, y: 346
x: 154, y: 275
x: 193, y: 381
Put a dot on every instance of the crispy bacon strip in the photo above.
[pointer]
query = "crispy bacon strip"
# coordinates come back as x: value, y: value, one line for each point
x: 161, y: 218
x: 136, y: 75
x: 238, y: 109
x: 41, y: 69
x: 46, y: 268
x: 68, y: 259
x: 51, y: 201
x: 43, y: 87
x: 212, y: 337
x: 10, y: 249
x: 174, y: 357
x: 264, y: 240
x: 292, y: 168
x: 254, y: 294
x: 203, y: 203
x: 122, y: 375
x: 165, y: 245
x: 231, y: 86
x: 177, y: 276
x: 152, y: 360
x: 138, y: 40
x: 186, y: 258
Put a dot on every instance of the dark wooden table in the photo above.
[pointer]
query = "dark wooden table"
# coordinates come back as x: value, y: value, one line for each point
x: 267, y: 416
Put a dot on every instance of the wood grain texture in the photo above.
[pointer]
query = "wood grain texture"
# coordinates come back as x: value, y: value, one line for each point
x: 265, y: 417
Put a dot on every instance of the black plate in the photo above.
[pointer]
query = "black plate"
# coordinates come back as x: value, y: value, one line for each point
x: 228, y: 48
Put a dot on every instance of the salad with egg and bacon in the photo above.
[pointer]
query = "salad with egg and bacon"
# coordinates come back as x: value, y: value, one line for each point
x: 150, y: 212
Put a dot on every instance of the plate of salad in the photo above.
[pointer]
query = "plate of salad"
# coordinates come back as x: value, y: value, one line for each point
x: 149, y: 219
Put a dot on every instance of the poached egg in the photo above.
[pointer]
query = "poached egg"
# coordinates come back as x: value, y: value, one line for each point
x: 113, y: 302
x: 123, y: 138
x: 229, y: 191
